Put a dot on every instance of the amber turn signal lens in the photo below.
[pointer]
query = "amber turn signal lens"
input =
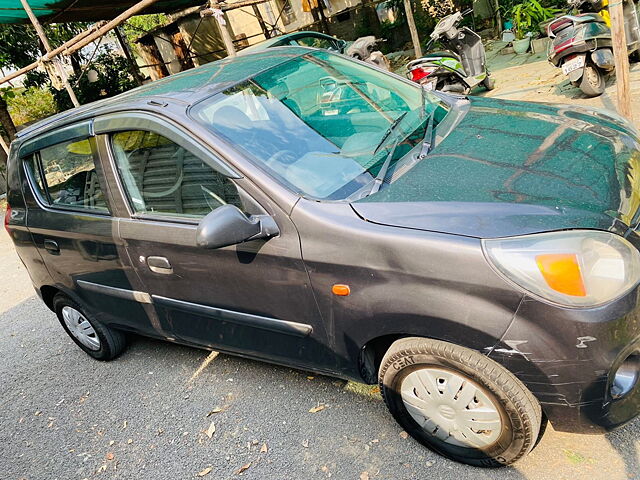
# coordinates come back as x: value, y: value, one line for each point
x: 562, y: 273
x: 341, y: 290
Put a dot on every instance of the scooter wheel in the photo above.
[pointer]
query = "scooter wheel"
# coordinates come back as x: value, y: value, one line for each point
x: 592, y: 83
x: 489, y: 83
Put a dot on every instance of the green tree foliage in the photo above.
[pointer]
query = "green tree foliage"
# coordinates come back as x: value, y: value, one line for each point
x: 31, y: 104
x: 136, y: 26
x: 528, y: 15
x: 113, y: 78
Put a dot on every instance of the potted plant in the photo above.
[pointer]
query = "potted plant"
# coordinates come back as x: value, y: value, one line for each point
x: 527, y: 17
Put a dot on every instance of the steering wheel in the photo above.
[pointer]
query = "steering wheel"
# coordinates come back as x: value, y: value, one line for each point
x: 286, y: 157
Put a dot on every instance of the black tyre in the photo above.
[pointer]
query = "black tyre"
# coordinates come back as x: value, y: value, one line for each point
x: 489, y: 83
x: 592, y: 83
x: 96, y: 339
x: 458, y: 402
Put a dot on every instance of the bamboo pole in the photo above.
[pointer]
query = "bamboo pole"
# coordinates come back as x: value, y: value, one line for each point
x: 82, y: 40
x: 4, y: 145
x: 47, y: 47
x: 621, y: 59
x: 412, y: 28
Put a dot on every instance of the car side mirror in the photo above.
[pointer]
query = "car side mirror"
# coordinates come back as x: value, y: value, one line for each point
x: 227, y: 225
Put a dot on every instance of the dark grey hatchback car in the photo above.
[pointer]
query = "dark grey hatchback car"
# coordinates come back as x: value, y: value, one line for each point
x: 478, y: 258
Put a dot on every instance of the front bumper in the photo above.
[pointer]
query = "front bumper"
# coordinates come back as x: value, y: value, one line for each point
x: 567, y: 358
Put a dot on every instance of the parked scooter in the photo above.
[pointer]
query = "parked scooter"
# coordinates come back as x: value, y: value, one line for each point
x: 581, y: 44
x: 366, y: 49
x: 458, y: 69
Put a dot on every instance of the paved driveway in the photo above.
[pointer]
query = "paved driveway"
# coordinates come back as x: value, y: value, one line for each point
x: 146, y: 415
x: 542, y: 82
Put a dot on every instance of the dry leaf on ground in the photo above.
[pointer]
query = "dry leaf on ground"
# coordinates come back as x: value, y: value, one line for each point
x: 404, y: 434
x: 364, y: 476
x: 211, y: 430
x: 215, y: 410
x: 264, y: 448
x: 204, y: 472
x: 243, y: 468
x: 317, y: 409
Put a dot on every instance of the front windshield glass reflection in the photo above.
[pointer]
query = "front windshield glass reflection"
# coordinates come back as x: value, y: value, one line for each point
x: 320, y: 123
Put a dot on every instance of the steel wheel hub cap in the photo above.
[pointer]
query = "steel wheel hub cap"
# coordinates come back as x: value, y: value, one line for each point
x: 80, y: 328
x: 451, y: 407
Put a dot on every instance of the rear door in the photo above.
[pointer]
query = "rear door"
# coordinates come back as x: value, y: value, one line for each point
x: 69, y: 217
x: 252, y: 298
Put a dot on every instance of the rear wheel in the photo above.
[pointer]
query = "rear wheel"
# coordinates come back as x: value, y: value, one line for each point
x: 97, y: 340
x: 458, y: 402
x: 592, y: 83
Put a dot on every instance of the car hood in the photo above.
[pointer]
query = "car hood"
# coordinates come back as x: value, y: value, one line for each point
x: 512, y: 168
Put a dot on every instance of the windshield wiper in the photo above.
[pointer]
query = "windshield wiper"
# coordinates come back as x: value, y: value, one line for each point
x: 382, y: 173
x: 427, y: 140
x: 390, y: 130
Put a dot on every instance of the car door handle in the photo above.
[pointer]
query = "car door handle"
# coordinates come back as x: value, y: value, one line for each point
x: 51, y: 246
x: 160, y: 265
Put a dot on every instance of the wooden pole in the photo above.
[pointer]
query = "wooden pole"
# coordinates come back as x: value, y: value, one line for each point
x: 226, y: 37
x: 133, y: 66
x: 412, y: 28
x: 263, y: 26
x: 621, y: 58
x: 215, y: 11
x: 4, y: 145
x: 47, y: 47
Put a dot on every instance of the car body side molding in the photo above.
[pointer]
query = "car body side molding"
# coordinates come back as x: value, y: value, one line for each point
x: 248, y: 319
x: 140, y: 297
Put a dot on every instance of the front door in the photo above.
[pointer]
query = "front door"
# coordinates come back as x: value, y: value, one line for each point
x: 252, y: 298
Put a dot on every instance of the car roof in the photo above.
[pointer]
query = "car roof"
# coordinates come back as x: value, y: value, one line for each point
x: 258, y: 47
x: 185, y: 87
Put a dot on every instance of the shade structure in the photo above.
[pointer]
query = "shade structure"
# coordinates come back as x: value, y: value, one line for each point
x: 11, y: 11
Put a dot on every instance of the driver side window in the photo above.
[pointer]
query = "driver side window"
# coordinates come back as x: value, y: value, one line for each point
x: 161, y: 177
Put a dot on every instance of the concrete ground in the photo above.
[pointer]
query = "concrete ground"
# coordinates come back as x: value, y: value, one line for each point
x: 163, y: 411
x: 540, y: 81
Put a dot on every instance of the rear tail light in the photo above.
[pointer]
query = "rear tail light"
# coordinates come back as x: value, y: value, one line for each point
x: 7, y: 216
x: 419, y: 73
x: 560, y: 24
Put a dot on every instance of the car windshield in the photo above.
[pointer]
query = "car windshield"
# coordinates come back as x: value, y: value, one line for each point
x: 322, y: 124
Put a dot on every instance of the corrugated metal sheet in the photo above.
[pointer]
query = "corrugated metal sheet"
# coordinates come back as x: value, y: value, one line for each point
x: 11, y: 11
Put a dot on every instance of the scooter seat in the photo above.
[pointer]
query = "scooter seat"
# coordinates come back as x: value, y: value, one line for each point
x: 442, y: 54
x: 586, y: 18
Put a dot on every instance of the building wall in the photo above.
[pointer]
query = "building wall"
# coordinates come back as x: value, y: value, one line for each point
x: 347, y: 19
x: 306, y: 18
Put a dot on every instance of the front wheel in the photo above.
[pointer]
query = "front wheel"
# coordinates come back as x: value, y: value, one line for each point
x: 488, y: 82
x: 593, y: 82
x: 459, y: 403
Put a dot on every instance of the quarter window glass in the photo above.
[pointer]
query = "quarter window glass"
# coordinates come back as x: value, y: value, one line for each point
x: 70, y: 176
x: 161, y: 177
x: 31, y: 163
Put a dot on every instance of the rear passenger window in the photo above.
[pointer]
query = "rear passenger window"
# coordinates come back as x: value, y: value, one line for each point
x: 161, y: 177
x: 70, y: 177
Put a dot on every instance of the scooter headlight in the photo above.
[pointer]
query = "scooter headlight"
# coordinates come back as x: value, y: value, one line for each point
x: 577, y: 268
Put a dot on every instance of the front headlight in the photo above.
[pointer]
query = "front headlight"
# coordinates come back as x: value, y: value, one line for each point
x: 576, y: 268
